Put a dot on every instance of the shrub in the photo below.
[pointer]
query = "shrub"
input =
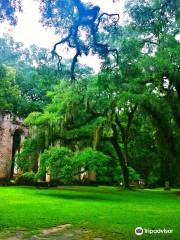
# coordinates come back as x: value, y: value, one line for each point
x: 57, y: 160
x: 27, y: 178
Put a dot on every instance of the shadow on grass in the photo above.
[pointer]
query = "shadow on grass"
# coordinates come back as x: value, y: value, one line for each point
x: 104, y: 195
x: 80, y: 196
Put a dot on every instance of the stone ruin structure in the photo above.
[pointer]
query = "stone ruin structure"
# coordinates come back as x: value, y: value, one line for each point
x: 12, y: 134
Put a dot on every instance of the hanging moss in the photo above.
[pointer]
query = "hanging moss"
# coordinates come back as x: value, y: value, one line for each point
x: 96, y: 136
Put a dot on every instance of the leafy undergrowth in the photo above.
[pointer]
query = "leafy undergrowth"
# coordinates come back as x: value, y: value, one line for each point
x: 106, y: 212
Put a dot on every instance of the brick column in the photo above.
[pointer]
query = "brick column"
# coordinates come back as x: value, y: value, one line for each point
x: 5, y: 146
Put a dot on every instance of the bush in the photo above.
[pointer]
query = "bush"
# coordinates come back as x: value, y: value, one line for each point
x: 27, y: 178
x: 27, y: 157
x: 57, y: 160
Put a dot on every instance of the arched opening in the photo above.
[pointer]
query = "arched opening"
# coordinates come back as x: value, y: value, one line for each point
x: 15, y: 148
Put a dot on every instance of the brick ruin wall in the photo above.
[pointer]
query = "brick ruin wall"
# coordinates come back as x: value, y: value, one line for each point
x: 8, y: 125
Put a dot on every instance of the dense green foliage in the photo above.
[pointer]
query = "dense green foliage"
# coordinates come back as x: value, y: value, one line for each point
x: 122, y: 123
x: 9, y: 93
x: 25, y: 77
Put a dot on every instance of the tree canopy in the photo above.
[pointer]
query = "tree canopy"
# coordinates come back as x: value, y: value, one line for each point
x: 121, y: 124
x: 9, y: 10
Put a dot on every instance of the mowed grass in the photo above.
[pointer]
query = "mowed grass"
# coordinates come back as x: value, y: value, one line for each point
x: 107, y: 211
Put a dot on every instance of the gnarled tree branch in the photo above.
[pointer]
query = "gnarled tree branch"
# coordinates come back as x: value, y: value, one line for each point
x: 90, y: 19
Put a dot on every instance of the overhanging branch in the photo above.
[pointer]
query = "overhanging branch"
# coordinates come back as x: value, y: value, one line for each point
x: 89, y: 18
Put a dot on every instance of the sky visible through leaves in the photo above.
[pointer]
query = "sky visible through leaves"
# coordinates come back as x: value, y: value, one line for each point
x: 30, y: 31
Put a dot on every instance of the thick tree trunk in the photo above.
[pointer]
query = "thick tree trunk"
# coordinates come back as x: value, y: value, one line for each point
x: 125, y: 131
x: 121, y: 156
x: 167, y: 142
x: 172, y: 100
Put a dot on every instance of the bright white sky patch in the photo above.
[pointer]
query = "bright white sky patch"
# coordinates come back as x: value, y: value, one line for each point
x: 29, y: 30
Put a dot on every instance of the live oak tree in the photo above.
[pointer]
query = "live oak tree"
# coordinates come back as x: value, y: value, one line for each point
x: 157, y: 24
x: 101, y: 117
x: 110, y: 101
x: 129, y: 111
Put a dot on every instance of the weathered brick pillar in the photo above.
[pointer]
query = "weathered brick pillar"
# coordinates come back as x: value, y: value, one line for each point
x: 5, y: 146
x: 8, y: 125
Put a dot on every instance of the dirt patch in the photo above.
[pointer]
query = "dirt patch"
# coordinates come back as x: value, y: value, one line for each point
x: 61, y: 232
x: 55, y: 229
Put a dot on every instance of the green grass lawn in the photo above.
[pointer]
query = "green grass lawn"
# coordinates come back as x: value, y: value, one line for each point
x: 107, y: 211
